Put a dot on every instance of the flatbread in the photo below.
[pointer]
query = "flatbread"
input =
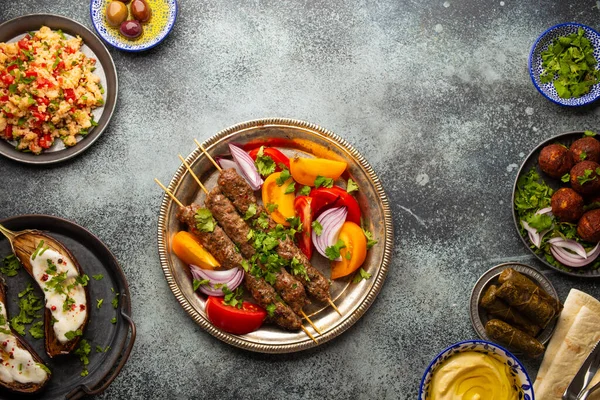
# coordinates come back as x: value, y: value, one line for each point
x: 575, y: 301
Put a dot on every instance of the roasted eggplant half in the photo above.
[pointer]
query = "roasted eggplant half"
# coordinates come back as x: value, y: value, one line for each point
x: 21, y: 369
x: 63, y: 283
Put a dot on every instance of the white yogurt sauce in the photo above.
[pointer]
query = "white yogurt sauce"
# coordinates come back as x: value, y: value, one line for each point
x: 17, y: 364
x: 46, y: 277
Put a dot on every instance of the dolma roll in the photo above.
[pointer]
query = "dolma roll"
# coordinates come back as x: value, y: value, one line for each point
x: 513, y: 339
x: 499, y: 309
x: 510, y: 274
x: 528, y: 302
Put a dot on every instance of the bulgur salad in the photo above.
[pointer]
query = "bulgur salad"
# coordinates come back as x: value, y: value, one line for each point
x: 47, y: 90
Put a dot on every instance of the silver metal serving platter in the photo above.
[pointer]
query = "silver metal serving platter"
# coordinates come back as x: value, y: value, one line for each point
x: 292, y: 137
x: 479, y: 316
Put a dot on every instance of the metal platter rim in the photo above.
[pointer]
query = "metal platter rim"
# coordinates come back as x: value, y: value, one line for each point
x: 531, y: 272
x: 586, y: 273
x: 344, y: 323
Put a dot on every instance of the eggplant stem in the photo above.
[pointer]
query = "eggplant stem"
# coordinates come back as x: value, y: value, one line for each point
x: 10, y: 235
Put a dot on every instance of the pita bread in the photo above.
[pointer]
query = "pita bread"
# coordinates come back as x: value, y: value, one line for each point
x: 575, y: 300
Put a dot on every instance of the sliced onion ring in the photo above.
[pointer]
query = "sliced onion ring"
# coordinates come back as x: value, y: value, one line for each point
x: 246, y: 164
x: 534, y: 236
x: 232, y: 278
x: 547, y: 210
x: 574, y: 260
x: 569, y: 244
x: 331, y: 221
x: 226, y: 163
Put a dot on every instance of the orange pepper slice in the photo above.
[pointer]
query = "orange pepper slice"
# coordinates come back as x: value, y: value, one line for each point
x: 189, y: 250
x: 272, y: 193
x: 355, y: 252
x: 306, y: 170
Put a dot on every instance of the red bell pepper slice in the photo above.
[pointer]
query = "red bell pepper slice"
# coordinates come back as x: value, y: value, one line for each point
x: 326, y: 198
x: 276, y: 155
x: 304, y: 211
x: 234, y: 320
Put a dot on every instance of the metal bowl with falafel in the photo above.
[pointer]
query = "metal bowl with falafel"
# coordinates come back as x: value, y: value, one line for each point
x: 556, y: 203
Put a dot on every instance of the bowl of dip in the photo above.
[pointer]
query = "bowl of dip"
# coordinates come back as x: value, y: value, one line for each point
x: 475, y: 369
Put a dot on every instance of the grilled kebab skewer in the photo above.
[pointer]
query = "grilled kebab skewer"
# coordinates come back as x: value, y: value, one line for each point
x: 223, y: 249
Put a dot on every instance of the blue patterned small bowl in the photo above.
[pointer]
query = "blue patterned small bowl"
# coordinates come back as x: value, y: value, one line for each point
x: 164, y: 14
x: 481, y: 346
x: 535, y: 63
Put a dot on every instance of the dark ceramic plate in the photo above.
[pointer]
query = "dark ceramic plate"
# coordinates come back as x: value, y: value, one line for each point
x: 95, y: 258
x: 532, y: 162
x: 479, y: 316
x: 15, y: 29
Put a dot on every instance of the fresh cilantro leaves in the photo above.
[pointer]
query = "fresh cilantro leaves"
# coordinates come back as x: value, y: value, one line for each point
x: 360, y: 275
x: 291, y: 188
x: 197, y: 283
x: 250, y: 212
x: 333, y: 252
x: 305, y: 191
x: 351, y: 186
x: 233, y: 298
x: 37, y: 330
x: 83, y: 352
x: 283, y: 176
x: 204, y: 220
x: 98, y: 277
x: 566, y: 178
x: 272, y: 207
x: 73, y: 334
x: 322, y: 181
x: 264, y: 164
x: 271, y: 310
x: 588, y: 176
x: 317, y: 228
x: 10, y: 265
x: 298, y: 269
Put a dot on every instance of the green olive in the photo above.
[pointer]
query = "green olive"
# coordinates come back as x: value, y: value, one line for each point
x: 116, y: 13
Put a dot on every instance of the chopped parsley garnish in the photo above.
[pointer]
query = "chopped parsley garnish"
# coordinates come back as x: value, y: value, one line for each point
x: 291, y: 188
x: 98, y: 277
x: 305, y: 191
x: 115, y: 301
x: 298, y: 269
x: 361, y: 274
x: 283, y: 176
x: 83, y: 351
x: 5, y: 331
x: 51, y: 270
x: 264, y: 164
x: 322, y: 181
x: 233, y: 298
x: 29, y: 305
x: 566, y: 177
x: 582, y: 155
x: 99, y: 303
x: 12, y: 88
x: 333, y: 252
x: 588, y: 175
x: 352, y: 186
x: 10, y: 265
x: 370, y: 240
x: 82, y: 279
x: 113, y: 320
x: 262, y: 221
x: 317, y: 228
x: 589, y: 133
x: 250, y: 212
x: 540, y: 222
x: 295, y: 223
x: 69, y: 302
x: 348, y: 255
x: 569, y: 63
x: 271, y: 310
x: 42, y: 366
x: 198, y: 283
x: 272, y: 207
x: 37, y: 330
x: 204, y: 220
x: 245, y: 265
x: 73, y: 334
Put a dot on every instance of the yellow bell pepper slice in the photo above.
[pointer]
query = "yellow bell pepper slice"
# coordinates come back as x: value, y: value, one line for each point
x: 273, y: 194
x: 189, y: 250
x: 355, y: 252
x: 306, y: 170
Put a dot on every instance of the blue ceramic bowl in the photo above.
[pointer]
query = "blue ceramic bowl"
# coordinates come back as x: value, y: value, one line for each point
x: 485, y: 347
x: 535, y: 63
x: 164, y: 14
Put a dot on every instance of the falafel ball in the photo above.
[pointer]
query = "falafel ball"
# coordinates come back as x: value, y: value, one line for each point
x: 585, y: 149
x: 588, y: 227
x: 567, y: 205
x: 555, y: 160
x: 584, y: 177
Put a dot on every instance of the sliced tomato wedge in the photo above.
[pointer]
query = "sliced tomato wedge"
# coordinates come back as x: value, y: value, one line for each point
x: 304, y: 211
x: 326, y: 198
x: 238, y: 321
x: 277, y: 156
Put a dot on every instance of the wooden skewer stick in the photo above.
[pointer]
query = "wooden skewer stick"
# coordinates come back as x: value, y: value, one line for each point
x: 212, y: 160
x: 310, y: 322
x: 167, y: 191
x: 309, y: 334
x: 193, y: 174
x: 334, y: 307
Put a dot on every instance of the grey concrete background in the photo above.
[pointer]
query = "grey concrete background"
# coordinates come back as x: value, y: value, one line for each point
x: 435, y: 94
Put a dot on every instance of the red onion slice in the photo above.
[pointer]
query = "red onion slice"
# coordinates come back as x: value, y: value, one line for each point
x: 547, y: 210
x: 534, y: 236
x: 569, y: 261
x: 226, y: 163
x: 331, y: 221
x: 569, y: 244
x: 232, y: 278
x: 246, y: 164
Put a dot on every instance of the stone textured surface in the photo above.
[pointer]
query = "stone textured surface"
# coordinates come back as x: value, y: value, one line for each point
x: 435, y: 94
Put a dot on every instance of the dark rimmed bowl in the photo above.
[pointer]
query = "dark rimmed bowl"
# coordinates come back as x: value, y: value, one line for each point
x: 18, y: 27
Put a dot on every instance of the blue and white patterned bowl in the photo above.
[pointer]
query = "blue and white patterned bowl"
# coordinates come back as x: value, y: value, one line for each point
x: 481, y: 346
x: 164, y: 14
x: 535, y: 63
